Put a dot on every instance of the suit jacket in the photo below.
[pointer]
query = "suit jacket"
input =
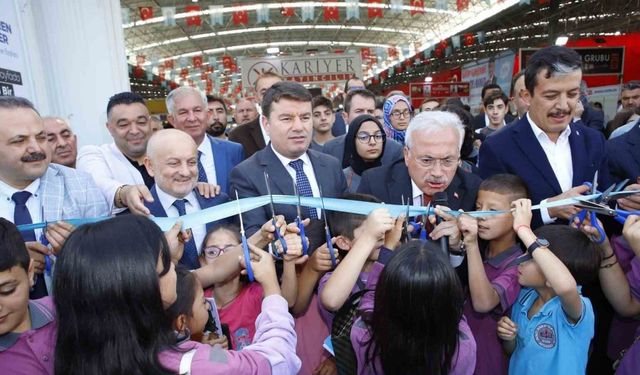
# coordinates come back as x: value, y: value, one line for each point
x: 592, y: 117
x: 69, y: 194
x: 390, y: 183
x: 516, y: 150
x: 249, y: 136
x: 248, y: 179
x: 339, y: 126
x: 335, y: 148
x: 623, y: 155
x: 226, y: 155
x: 109, y: 168
x: 479, y: 121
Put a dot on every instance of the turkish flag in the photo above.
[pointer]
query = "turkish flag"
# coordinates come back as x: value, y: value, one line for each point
x: 462, y: 5
x: 138, y: 72
x: 168, y: 64
x: 468, y: 40
x: 330, y: 13
x: 184, y: 72
x: 392, y: 52
x: 193, y: 20
x: 145, y: 13
x: 197, y: 61
x: 227, y: 61
x: 375, y: 12
x: 287, y: 12
x: 203, y: 76
x: 240, y: 17
x: 365, y: 53
x: 417, y: 4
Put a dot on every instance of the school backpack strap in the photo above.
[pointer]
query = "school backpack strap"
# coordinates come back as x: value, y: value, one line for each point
x: 343, y: 320
x: 185, y: 362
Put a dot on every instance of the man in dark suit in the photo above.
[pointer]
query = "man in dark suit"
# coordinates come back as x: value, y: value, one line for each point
x: 553, y: 156
x: 623, y: 155
x: 188, y: 112
x: 172, y: 161
x: 360, y: 102
x: 286, y: 115
x: 340, y: 125
x: 252, y: 135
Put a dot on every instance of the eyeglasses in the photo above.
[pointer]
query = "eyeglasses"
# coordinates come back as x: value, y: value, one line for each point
x: 364, y: 137
x: 215, y: 251
x: 445, y: 163
x: 398, y: 114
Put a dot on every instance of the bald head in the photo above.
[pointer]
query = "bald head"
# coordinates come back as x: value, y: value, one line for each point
x: 172, y: 160
x: 61, y: 140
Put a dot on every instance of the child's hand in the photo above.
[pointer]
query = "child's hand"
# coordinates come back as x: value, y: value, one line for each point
x: 521, y: 211
x: 213, y: 339
x: 267, y: 230
x: 263, y: 268
x: 507, y: 329
x: 468, y: 226
x: 448, y: 227
x: 392, y: 237
x: 377, y: 224
x: 588, y: 229
x: 294, y: 248
x: 327, y: 367
x: 176, y: 240
x: 631, y: 232
x: 320, y: 260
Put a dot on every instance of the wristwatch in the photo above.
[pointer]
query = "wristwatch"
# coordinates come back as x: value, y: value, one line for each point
x: 539, y: 242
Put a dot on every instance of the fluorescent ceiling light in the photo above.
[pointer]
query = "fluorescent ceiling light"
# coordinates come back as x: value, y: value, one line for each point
x: 562, y: 40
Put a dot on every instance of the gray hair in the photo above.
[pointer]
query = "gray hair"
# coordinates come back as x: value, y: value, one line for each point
x: 12, y: 102
x: 434, y: 121
x: 181, y: 91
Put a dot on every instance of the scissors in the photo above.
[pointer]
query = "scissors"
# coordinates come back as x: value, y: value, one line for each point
x: 406, y: 235
x: 327, y: 233
x: 615, y: 192
x: 303, y: 238
x: 421, y: 227
x: 594, y: 208
x: 276, y: 233
x: 245, y: 246
x: 43, y: 240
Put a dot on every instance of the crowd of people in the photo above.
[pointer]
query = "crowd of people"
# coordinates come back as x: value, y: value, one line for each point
x: 286, y: 289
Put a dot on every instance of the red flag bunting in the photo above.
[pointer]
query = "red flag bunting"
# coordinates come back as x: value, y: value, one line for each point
x: 203, y: 76
x: 462, y: 5
x: 173, y: 85
x: 468, y: 40
x: 392, y: 52
x: 375, y: 12
x: 209, y: 69
x: 140, y: 59
x: 193, y: 20
x: 365, y: 53
x: 227, y: 61
x: 417, y: 4
x: 168, y: 63
x: 330, y: 13
x: 287, y: 12
x: 240, y: 17
x: 197, y: 61
x: 145, y: 13
x: 184, y: 72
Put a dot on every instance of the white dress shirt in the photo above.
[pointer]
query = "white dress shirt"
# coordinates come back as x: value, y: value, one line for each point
x: 306, y: 167
x: 559, y: 157
x: 266, y: 137
x: 207, y: 160
x: 192, y: 205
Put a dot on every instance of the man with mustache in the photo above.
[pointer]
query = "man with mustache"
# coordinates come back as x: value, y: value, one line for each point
x: 33, y: 190
x: 553, y: 156
x: 218, y: 120
x: 62, y: 140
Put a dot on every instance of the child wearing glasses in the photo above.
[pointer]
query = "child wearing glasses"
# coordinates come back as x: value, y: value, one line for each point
x: 363, y: 149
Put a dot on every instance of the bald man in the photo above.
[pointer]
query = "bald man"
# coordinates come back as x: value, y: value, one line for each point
x: 62, y: 141
x: 172, y: 160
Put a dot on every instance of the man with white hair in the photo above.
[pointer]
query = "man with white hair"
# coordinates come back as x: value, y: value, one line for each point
x: 187, y: 107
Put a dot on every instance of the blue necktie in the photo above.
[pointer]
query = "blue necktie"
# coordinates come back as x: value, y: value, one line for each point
x: 21, y: 215
x: 202, y: 175
x: 304, y: 187
x: 190, y: 255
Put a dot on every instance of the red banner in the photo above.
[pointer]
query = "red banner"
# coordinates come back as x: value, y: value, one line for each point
x: 145, y: 13
x: 439, y: 90
x: 287, y: 12
x: 417, y: 4
x: 331, y: 13
x: 468, y: 39
x: 240, y: 17
x: 227, y: 61
x: 375, y: 12
x: 193, y: 20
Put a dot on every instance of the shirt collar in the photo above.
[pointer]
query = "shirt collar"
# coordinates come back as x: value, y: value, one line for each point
x: 166, y: 200
x: 7, y: 190
x: 499, y: 259
x: 40, y: 316
x: 540, y: 134
x: 205, y: 146
x: 415, y: 190
x: 285, y: 160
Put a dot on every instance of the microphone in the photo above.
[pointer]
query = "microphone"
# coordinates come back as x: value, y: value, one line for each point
x: 441, y: 199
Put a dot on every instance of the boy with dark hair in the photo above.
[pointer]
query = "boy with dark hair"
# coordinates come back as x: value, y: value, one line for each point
x: 551, y: 324
x: 496, y: 106
x: 323, y: 119
x: 491, y: 267
x: 26, y: 327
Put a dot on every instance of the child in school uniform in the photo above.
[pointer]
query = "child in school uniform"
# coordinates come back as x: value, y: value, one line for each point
x: 551, y: 323
x: 493, y: 273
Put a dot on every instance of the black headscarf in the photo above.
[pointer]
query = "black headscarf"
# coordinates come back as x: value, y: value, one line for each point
x: 351, y: 157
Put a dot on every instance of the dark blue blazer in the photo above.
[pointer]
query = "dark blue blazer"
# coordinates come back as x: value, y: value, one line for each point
x: 157, y: 210
x: 516, y: 150
x: 339, y: 126
x: 226, y: 155
x: 623, y: 154
x: 248, y: 179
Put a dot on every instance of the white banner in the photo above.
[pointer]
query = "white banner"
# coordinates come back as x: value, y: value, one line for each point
x: 304, y: 69
x: 12, y: 60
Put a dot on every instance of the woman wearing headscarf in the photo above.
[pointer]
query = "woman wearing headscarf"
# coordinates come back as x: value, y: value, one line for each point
x: 397, y: 113
x: 363, y: 149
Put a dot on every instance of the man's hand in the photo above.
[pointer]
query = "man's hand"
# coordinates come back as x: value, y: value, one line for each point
x: 37, y: 252
x: 208, y: 190
x: 57, y: 233
x: 566, y: 212
x: 631, y: 203
x: 176, y: 240
x: 447, y: 227
x: 133, y: 197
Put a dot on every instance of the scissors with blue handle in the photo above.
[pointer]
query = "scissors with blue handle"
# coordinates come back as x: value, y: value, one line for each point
x: 406, y: 235
x: 303, y: 238
x: 276, y: 233
x: 421, y: 228
x: 245, y: 246
x: 43, y: 240
x: 592, y: 209
x: 615, y: 192
x: 327, y: 233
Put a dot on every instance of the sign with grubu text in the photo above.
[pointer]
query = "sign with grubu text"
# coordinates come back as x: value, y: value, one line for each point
x: 304, y: 69
x: 595, y: 61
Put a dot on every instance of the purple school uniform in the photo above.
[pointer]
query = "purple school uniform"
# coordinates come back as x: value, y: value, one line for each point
x: 31, y: 352
x: 327, y: 315
x: 464, y: 359
x: 622, y: 330
x: 502, y: 273
x: 273, y: 350
x: 630, y: 363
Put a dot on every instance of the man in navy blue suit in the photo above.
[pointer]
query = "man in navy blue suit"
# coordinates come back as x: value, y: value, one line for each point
x: 188, y: 112
x: 552, y: 156
x: 623, y: 154
x: 287, y: 118
x: 172, y: 161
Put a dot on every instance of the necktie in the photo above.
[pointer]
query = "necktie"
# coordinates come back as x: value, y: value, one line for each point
x: 304, y: 187
x: 202, y: 175
x: 190, y: 255
x: 21, y: 215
